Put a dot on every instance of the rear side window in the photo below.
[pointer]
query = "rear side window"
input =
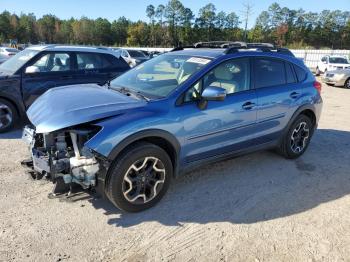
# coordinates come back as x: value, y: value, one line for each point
x: 268, y: 72
x: 301, y: 73
x: 92, y: 61
x: 290, y: 77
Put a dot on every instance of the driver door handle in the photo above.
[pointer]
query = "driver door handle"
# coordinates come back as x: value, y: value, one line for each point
x: 248, y: 105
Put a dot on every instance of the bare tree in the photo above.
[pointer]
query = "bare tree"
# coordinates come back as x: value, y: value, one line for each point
x: 246, y: 13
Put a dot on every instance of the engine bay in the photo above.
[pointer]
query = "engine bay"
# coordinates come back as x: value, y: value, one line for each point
x: 61, y: 157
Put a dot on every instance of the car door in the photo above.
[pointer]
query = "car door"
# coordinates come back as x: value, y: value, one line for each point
x: 51, y: 69
x: 277, y: 92
x: 224, y: 126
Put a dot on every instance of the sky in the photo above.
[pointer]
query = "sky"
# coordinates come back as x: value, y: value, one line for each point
x: 135, y: 9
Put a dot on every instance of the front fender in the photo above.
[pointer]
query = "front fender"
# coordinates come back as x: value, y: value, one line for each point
x: 120, y: 131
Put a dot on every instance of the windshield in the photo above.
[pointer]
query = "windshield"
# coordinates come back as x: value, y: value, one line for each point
x: 17, y: 61
x: 159, y: 76
x: 135, y: 53
x: 338, y: 60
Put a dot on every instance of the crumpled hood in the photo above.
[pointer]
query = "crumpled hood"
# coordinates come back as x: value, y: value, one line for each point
x: 67, y: 106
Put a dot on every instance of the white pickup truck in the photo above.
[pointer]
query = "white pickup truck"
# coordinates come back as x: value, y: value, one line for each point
x: 328, y: 63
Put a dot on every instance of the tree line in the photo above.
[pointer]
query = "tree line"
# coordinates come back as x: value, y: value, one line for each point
x: 174, y: 24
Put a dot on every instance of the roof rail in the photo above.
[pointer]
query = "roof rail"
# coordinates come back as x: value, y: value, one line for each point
x: 235, y: 46
x: 260, y: 45
x: 219, y: 44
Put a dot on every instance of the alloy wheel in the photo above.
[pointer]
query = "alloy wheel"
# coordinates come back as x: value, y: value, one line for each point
x: 143, y: 180
x: 6, y: 116
x: 299, y: 137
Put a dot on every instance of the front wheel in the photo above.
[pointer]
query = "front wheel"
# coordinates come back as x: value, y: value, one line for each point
x: 139, y: 178
x: 8, y: 116
x: 318, y: 72
x: 298, y: 137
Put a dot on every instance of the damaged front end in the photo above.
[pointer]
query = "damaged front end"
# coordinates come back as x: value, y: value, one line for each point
x: 62, y: 157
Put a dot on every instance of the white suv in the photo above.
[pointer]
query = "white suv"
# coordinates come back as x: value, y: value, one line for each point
x: 333, y: 62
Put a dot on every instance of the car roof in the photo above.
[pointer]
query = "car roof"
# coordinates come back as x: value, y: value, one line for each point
x: 75, y: 48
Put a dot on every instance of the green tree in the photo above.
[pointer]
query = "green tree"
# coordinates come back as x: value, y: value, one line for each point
x: 174, y: 14
x: 207, y: 18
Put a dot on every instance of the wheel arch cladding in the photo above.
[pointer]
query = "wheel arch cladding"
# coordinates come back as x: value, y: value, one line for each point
x: 161, y: 138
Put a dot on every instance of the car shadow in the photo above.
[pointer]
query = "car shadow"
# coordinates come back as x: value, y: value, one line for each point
x: 13, y: 134
x: 253, y: 188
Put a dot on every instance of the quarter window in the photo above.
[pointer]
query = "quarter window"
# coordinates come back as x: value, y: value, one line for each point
x: 301, y: 74
x: 268, y: 72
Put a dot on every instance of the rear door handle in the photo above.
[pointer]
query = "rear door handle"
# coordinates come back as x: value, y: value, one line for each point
x: 248, y: 105
x: 66, y: 77
x: 294, y: 95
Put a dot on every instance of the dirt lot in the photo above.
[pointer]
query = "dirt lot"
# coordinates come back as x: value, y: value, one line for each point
x: 259, y: 207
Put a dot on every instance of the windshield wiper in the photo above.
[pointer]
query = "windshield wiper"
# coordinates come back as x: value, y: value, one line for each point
x: 126, y: 90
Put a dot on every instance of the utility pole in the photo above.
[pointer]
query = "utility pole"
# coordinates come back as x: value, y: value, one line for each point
x: 247, y: 12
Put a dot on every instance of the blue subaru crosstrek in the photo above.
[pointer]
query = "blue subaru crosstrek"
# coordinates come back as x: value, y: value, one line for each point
x: 181, y: 110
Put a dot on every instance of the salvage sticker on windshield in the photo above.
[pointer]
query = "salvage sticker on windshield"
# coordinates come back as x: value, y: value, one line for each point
x: 198, y: 60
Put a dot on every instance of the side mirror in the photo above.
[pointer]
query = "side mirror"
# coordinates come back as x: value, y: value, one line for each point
x: 211, y: 93
x: 175, y: 65
x: 32, y: 69
x: 214, y: 93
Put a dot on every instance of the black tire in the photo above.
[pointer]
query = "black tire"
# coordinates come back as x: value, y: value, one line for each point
x: 288, y: 147
x: 8, y: 116
x: 122, y: 166
x: 318, y: 72
x: 347, y: 83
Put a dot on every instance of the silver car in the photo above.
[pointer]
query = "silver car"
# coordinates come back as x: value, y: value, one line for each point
x: 338, y: 78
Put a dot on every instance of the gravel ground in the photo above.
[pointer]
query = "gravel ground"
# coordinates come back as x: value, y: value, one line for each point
x: 258, y: 207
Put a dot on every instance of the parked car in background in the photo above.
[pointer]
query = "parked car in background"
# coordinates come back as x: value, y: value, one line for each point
x: 3, y: 58
x: 8, y: 51
x: 180, y: 110
x: 27, y: 75
x: 133, y: 57
x: 334, y: 62
x: 337, y: 78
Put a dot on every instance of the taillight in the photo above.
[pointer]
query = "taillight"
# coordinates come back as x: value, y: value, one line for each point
x: 318, y: 86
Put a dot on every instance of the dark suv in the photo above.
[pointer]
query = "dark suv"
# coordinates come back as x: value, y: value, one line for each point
x: 178, y: 111
x: 33, y: 71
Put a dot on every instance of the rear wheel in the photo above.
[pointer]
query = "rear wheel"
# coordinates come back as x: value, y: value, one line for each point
x: 297, y: 139
x: 139, y: 178
x: 8, y: 116
x: 347, y: 83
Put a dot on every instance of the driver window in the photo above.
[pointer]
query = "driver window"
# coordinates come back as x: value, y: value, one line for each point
x: 232, y: 75
x: 53, y: 62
